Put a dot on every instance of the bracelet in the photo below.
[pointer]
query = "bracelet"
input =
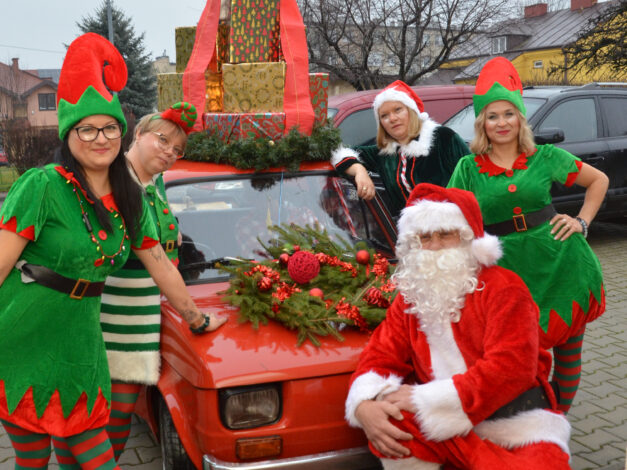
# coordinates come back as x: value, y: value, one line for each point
x: 200, y: 329
x: 584, y: 227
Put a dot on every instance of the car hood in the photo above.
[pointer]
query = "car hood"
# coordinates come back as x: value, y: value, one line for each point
x: 237, y: 354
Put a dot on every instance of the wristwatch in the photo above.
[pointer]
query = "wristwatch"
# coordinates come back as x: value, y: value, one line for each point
x: 200, y: 329
x: 584, y: 227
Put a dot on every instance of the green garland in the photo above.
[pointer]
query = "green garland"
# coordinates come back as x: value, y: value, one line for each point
x: 352, y: 294
x: 261, y: 153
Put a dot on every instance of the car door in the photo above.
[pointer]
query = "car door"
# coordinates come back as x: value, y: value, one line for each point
x: 579, y: 118
x: 614, y: 112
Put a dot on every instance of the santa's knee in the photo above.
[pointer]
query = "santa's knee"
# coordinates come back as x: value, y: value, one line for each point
x: 410, y: 463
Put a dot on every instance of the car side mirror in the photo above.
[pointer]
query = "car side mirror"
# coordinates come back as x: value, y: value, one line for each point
x: 549, y: 135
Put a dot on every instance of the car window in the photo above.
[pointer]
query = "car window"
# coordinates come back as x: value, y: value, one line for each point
x: 615, y: 110
x: 464, y: 121
x: 576, y: 117
x: 331, y: 112
x: 359, y: 128
x: 223, y: 218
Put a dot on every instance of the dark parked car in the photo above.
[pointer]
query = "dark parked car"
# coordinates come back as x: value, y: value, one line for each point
x: 352, y: 112
x: 590, y: 122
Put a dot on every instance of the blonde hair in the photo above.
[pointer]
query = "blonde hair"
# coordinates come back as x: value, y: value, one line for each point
x: 154, y: 123
x: 480, y: 144
x: 413, y: 129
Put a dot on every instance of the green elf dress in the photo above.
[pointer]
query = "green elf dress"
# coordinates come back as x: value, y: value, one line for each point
x: 564, y: 277
x: 429, y: 158
x: 131, y: 302
x: 54, y: 377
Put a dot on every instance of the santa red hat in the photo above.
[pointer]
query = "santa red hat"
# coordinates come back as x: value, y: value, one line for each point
x: 182, y: 114
x: 400, y: 91
x: 431, y: 208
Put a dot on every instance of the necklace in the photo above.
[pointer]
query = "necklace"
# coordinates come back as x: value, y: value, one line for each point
x: 102, y: 255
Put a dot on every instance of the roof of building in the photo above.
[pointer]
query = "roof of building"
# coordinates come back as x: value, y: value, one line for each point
x: 22, y: 83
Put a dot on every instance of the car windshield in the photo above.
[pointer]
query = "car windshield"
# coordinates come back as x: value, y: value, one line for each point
x: 222, y: 218
x: 464, y: 121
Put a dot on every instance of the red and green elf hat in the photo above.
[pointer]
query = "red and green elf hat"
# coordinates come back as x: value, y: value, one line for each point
x: 183, y: 114
x: 498, y: 80
x: 91, y: 68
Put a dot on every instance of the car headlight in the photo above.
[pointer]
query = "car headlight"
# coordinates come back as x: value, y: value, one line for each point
x: 250, y: 407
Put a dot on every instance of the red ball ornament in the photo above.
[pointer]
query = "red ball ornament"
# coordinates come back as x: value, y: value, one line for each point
x: 316, y: 292
x: 284, y: 258
x: 362, y: 257
x: 296, y: 248
x: 303, y: 266
x: 264, y: 284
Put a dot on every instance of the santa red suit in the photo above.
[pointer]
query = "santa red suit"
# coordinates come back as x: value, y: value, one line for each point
x: 479, y: 358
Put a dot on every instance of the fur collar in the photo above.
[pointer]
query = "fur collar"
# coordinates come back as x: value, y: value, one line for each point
x: 419, y: 147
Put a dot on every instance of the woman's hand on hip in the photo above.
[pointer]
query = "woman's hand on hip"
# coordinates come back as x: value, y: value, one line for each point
x: 564, y: 226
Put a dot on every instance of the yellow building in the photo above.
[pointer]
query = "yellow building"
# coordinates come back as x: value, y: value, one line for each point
x: 533, y: 44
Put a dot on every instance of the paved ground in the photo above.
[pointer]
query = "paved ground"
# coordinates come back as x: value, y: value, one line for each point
x: 599, y: 414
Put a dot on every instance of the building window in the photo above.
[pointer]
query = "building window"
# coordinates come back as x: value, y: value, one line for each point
x: 46, y: 102
x: 537, y: 64
x: 499, y: 44
x: 375, y: 59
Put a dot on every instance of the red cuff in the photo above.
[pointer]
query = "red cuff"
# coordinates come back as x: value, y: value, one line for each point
x: 147, y: 242
x: 11, y: 225
x: 570, y: 180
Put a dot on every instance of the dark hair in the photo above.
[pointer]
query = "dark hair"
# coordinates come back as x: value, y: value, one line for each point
x: 126, y: 191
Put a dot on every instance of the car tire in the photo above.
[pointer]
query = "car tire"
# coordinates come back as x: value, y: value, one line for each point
x: 173, y: 453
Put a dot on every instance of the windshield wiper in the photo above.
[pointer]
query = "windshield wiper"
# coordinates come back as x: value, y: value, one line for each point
x: 211, y: 264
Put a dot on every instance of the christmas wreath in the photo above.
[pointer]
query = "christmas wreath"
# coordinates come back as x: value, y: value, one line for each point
x: 261, y: 152
x: 312, y: 284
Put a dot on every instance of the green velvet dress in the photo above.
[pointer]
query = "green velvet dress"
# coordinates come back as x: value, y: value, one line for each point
x: 53, y: 367
x: 430, y: 158
x: 564, y: 277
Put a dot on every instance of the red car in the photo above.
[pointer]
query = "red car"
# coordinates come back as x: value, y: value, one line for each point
x: 352, y: 112
x: 242, y: 398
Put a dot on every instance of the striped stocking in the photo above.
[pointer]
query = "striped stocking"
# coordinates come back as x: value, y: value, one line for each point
x: 32, y: 451
x: 92, y: 450
x: 123, y: 399
x: 64, y: 455
x: 567, y: 371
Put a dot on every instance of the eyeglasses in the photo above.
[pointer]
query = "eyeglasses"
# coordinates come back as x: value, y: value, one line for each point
x: 90, y: 133
x: 164, y: 144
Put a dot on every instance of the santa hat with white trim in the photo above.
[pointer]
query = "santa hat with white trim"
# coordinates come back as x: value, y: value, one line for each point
x: 431, y: 208
x: 400, y: 91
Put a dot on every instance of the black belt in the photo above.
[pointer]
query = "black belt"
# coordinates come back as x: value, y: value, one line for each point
x: 521, y: 222
x: 530, y: 400
x: 75, y: 288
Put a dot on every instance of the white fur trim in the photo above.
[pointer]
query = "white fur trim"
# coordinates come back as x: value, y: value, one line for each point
x: 527, y: 427
x: 410, y: 463
x: 420, y: 147
x: 426, y: 216
x: 137, y: 366
x: 446, y: 358
x: 367, y: 387
x: 440, y: 413
x: 487, y: 249
x: 341, y: 153
x: 392, y: 94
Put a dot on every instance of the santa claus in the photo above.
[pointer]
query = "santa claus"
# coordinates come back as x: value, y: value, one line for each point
x: 454, y: 377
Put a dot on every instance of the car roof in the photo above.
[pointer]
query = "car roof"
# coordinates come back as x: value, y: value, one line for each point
x: 185, y: 169
x: 547, y: 91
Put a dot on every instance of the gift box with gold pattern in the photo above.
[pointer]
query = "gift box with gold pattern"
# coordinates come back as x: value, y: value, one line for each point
x: 254, y: 35
x: 170, y: 91
x: 232, y: 126
x: 185, y: 37
x: 254, y: 87
x: 319, y: 90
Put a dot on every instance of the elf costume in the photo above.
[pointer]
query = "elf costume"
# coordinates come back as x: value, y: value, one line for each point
x: 564, y: 277
x: 470, y: 368
x: 54, y: 378
x: 429, y: 158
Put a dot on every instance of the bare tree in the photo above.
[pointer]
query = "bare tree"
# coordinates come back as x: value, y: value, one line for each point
x: 369, y: 43
x: 602, y: 43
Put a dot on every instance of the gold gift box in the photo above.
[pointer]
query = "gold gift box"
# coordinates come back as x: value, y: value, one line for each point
x: 170, y: 91
x: 253, y: 87
x: 185, y: 37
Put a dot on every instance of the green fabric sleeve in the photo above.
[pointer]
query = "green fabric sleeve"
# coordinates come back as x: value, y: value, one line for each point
x: 147, y: 227
x: 461, y: 177
x: 27, y: 203
x: 561, y: 162
x: 451, y: 148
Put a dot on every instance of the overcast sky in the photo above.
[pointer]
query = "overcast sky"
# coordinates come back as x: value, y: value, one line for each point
x: 35, y: 30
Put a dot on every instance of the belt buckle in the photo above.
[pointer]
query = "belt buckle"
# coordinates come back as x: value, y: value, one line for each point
x: 82, y: 285
x: 520, y: 224
x: 169, y: 246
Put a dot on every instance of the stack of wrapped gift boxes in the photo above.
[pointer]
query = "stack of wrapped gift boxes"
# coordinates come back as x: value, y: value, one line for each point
x: 245, y: 82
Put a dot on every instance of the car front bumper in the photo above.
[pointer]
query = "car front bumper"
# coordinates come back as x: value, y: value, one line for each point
x: 350, y: 459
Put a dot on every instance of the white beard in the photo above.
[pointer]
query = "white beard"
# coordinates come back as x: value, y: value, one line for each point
x: 435, y: 283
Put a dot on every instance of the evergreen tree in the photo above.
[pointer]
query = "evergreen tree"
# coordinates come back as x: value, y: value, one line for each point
x: 140, y: 93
